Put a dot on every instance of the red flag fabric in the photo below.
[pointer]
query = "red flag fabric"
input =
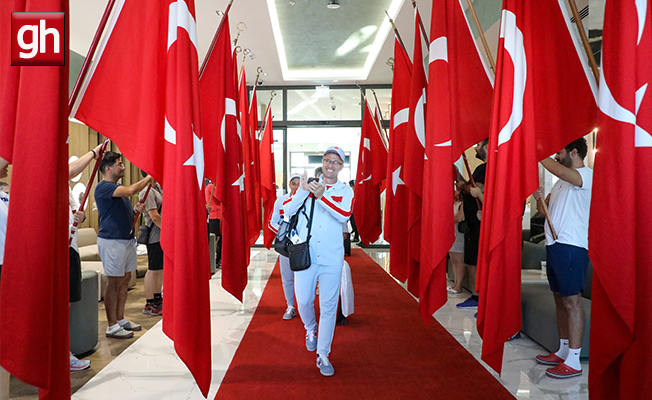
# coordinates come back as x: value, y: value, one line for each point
x: 370, y: 176
x: 268, y: 177
x: 459, y: 90
x: 396, y: 232
x: 255, y: 163
x: 621, y: 252
x: 413, y: 162
x: 219, y: 117
x: 33, y: 138
x: 149, y: 107
x: 544, y: 99
x: 248, y: 152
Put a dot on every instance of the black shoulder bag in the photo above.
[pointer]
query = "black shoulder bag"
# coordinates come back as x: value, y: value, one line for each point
x: 283, y: 235
x: 300, y: 253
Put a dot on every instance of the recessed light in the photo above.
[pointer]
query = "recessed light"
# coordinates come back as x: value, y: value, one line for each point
x: 333, y: 4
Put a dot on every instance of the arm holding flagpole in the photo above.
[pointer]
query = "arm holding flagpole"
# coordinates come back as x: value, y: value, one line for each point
x: 542, y: 207
x: 141, y: 202
x: 468, y: 171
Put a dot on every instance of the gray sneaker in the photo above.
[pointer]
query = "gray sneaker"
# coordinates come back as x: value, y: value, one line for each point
x: 311, y: 341
x: 325, y: 367
x: 120, y: 333
x: 130, y: 326
x: 289, y: 313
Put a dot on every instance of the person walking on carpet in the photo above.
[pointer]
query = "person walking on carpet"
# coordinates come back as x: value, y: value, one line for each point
x: 333, y: 204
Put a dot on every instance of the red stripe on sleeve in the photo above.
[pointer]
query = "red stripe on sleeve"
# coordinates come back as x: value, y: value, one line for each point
x: 336, y: 208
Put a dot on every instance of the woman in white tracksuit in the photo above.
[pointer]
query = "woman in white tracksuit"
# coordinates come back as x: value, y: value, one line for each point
x: 287, y: 275
x: 333, y: 204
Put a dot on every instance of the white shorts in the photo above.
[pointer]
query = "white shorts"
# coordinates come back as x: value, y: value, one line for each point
x: 118, y: 255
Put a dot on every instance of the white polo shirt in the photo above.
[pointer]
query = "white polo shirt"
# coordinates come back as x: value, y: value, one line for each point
x: 331, y: 211
x: 569, y: 211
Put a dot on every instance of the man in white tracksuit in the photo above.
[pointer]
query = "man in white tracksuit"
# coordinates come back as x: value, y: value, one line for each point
x: 287, y: 275
x: 333, y: 204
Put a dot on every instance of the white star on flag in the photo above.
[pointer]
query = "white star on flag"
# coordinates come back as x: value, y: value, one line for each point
x: 197, y: 158
x: 239, y: 182
x: 396, y: 180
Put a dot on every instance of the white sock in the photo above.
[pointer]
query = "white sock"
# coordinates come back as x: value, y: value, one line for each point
x: 563, y: 349
x: 573, y: 359
x: 113, y: 328
x: 122, y: 322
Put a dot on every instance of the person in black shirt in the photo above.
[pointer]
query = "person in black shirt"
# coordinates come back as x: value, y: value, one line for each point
x: 472, y: 234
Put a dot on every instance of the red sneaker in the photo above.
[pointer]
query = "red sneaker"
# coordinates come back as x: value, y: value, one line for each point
x: 551, y: 359
x: 563, y: 371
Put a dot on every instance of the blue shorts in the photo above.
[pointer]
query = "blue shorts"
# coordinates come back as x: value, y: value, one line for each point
x: 566, y: 266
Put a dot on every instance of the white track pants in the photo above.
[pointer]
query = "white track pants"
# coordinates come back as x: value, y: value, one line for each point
x: 287, y: 276
x: 329, y: 277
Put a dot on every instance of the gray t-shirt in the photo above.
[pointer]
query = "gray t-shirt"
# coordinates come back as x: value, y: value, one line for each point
x: 153, y: 202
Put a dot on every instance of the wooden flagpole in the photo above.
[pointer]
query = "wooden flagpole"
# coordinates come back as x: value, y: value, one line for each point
x: 385, y: 137
x: 269, y: 104
x: 487, y: 51
x: 468, y: 171
x: 398, y: 35
x: 88, y: 187
x: 423, y: 29
x: 90, y: 55
x: 366, y: 104
x: 141, y: 201
x: 217, y: 34
x: 547, y: 215
x: 585, y: 42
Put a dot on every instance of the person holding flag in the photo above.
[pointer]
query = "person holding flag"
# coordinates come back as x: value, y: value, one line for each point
x: 567, y: 255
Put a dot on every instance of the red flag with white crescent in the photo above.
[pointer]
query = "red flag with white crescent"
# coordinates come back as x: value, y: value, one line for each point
x: 545, y: 98
x: 397, y: 194
x: 268, y: 177
x: 621, y: 252
x: 226, y: 167
x: 154, y: 118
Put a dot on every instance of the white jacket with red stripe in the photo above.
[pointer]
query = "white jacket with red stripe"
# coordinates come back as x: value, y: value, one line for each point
x: 331, y: 211
x: 277, y: 214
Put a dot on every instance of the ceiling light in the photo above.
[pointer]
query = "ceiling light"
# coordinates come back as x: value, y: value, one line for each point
x: 333, y: 4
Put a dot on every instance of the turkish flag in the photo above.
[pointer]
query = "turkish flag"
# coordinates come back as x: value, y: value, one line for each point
x: 459, y: 93
x: 34, y: 339
x: 397, y: 194
x: 219, y: 117
x: 622, y: 252
x: 544, y: 99
x: 248, y: 152
x: 268, y: 177
x: 255, y: 163
x: 413, y: 161
x: 149, y: 107
x: 370, y: 177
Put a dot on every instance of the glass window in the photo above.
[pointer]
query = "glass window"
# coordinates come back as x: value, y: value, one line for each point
x: 323, y: 105
x: 263, y: 96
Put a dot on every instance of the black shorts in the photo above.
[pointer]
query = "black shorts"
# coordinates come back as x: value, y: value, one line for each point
x: 155, y: 256
x: 75, y: 276
x: 471, y: 245
x: 214, y: 227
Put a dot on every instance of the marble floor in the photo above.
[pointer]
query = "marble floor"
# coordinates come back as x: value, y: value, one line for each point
x: 149, y: 368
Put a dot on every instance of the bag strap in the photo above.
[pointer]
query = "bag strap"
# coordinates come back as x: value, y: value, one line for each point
x: 312, y: 212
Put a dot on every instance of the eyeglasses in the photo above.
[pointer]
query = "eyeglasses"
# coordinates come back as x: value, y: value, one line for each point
x: 334, y: 162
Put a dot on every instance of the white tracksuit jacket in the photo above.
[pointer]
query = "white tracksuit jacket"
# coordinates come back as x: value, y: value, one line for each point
x: 331, y: 211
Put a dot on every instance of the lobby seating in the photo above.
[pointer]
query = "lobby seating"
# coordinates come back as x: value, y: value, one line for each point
x: 101, y: 279
x: 87, y: 242
x: 84, y: 316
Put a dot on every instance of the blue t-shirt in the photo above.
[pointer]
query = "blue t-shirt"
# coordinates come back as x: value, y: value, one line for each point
x: 116, y: 214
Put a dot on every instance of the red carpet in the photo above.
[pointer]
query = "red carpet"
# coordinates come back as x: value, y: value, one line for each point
x: 384, y: 352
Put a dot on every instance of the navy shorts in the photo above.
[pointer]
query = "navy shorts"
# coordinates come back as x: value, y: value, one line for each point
x: 566, y: 266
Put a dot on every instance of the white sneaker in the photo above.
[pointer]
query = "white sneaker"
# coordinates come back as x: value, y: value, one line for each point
x: 289, y: 313
x: 78, y: 365
x: 120, y: 333
x: 130, y: 326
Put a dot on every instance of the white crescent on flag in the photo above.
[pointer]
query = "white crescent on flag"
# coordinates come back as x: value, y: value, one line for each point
x: 401, y: 117
x: 229, y: 109
x: 514, y: 46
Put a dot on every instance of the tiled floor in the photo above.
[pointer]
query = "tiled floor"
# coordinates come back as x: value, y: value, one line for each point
x: 149, y: 368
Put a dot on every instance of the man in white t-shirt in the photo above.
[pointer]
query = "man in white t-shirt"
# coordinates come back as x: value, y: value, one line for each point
x: 567, y: 256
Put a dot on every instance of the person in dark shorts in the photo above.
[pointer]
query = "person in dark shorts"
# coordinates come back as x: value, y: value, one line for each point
x: 567, y: 256
x: 472, y: 233
x: 154, y: 276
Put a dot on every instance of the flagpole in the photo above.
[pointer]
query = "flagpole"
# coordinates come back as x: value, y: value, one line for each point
x: 378, y: 129
x: 547, y: 215
x: 141, y: 201
x: 468, y: 171
x: 585, y: 40
x: 423, y: 29
x: 385, y: 137
x: 89, y: 57
x: 214, y: 42
x: 88, y: 186
x: 487, y: 51
x: 398, y: 35
x: 269, y: 104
